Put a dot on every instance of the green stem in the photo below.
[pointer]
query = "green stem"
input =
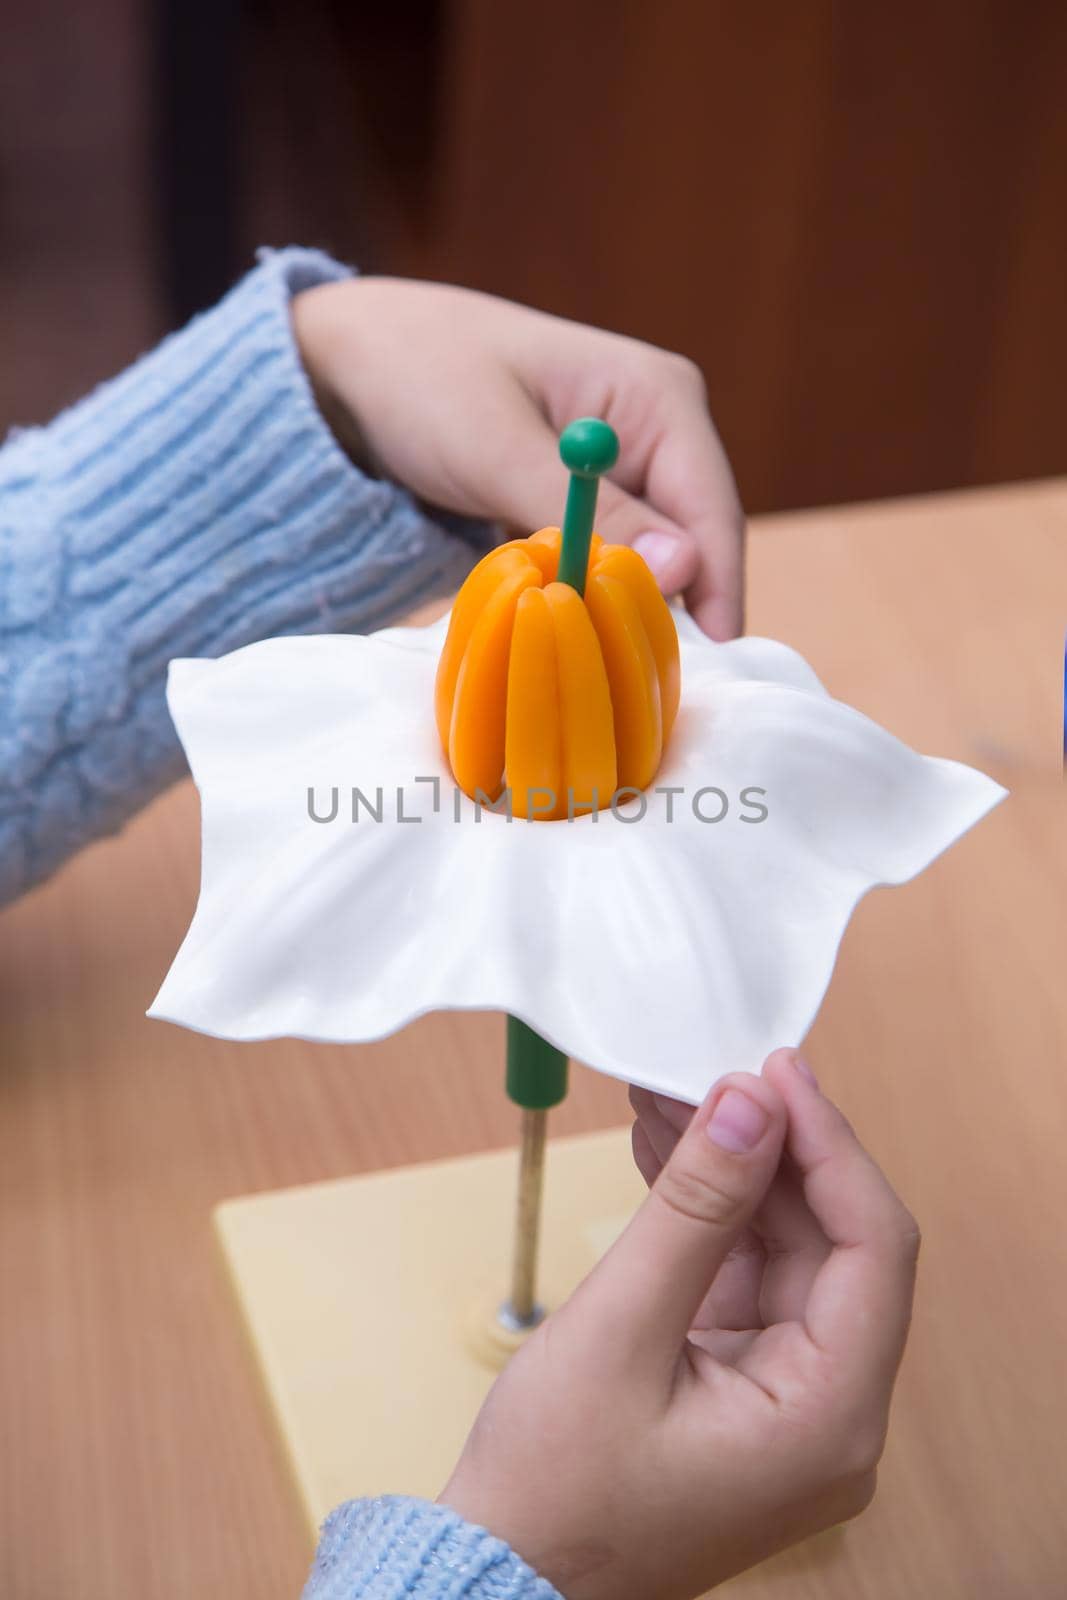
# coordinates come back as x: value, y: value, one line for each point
x: 577, y: 532
x: 537, y: 1071
x: 589, y: 448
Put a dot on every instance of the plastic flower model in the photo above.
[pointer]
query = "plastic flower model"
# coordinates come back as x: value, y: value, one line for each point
x: 690, y: 827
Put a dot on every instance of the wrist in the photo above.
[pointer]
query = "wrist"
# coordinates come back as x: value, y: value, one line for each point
x: 578, y: 1567
x: 395, y: 1544
x: 318, y: 332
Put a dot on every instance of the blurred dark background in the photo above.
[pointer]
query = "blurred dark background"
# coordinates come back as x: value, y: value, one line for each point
x: 852, y: 215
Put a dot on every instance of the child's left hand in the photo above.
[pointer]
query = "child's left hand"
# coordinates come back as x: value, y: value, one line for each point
x: 718, y: 1387
x: 460, y: 396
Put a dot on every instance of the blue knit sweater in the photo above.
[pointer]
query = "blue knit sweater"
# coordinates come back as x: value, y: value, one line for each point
x: 194, y: 504
x: 191, y: 505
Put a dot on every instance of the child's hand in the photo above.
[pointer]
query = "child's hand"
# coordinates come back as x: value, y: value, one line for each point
x: 461, y: 396
x: 719, y: 1386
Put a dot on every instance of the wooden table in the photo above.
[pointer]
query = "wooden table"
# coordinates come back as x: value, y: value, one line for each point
x: 138, y: 1460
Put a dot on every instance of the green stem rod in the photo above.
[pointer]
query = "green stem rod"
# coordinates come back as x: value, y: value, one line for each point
x: 588, y: 448
x: 577, y: 532
x: 536, y: 1070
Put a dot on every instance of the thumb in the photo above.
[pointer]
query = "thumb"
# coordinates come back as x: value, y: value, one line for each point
x: 650, y: 1285
x: 669, y: 550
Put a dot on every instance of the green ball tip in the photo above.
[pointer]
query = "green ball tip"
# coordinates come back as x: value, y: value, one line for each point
x: 589, y: 447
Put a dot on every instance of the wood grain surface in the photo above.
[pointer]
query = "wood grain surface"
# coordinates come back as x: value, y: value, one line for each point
x: 137, y: 1459
x: 851, y: 216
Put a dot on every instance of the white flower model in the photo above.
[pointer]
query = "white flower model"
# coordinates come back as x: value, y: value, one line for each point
x: 683, y: 932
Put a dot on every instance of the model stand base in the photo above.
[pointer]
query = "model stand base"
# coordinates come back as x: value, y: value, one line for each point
x: 370, y: 1303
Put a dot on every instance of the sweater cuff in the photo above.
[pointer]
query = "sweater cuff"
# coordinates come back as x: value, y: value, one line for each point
x: 394, y: 1547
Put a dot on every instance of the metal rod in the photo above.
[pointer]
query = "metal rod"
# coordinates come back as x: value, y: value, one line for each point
x: 521, y: 1309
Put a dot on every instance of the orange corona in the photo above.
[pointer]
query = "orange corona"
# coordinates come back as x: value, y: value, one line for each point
x: 559, y: 697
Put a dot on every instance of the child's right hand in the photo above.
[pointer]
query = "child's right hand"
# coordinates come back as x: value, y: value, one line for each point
x: 461, y: 396
x: 719, y: 1386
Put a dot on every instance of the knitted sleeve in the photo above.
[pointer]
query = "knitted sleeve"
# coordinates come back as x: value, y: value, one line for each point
x: 394, y: 1547
x: 193, y: 504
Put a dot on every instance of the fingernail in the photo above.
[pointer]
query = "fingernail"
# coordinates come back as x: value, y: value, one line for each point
x: 805, y: 1071
x: 658, y: 550
x: 673, y: 1111
x: 737, y: 1123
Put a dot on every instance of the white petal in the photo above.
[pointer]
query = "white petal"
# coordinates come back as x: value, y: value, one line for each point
x: 666, y: 950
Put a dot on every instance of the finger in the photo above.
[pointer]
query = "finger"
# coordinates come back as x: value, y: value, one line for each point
x: 679, y: 1113
x: 794, y: 1248
x: 676, y: 1114
x: 715, y: 598
x: 669, y: 549
x: 733, y: 1300
x: 647, y: 1290
x: 728, y: 1346
x: 689, y: 481
x: 662, y: 1136
x: 859, y: 1306
x: 646, y: 1160
x: 768, y: 1275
